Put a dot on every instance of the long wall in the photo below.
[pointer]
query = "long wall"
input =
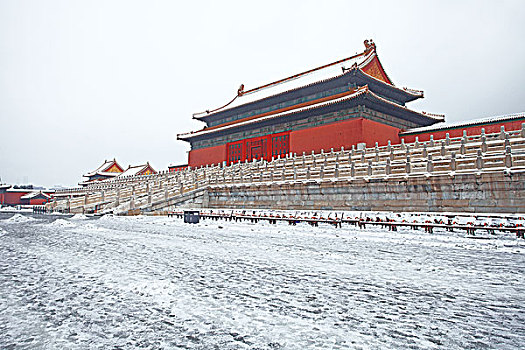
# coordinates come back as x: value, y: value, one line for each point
x: 479, y: 193
x: 470, y: 130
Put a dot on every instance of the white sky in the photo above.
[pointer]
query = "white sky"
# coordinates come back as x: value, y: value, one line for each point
x: 84, y: 81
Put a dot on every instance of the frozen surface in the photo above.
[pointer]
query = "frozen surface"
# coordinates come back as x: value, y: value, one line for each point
x: 146, y: 282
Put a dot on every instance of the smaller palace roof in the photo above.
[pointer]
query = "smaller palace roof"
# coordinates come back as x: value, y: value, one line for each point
x: 110, y: 168
x: 455, y: 125
x: 144, y: 169
x: 35, y: 194
x: 367, y: 62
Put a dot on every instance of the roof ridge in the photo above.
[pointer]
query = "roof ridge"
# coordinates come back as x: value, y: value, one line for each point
x: 368, y: 52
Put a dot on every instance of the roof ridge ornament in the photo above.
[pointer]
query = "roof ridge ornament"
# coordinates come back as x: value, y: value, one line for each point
x: 240, y: 90
x: 369, y: 46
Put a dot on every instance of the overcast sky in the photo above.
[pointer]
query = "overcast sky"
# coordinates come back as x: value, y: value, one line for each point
x: 85, y: 81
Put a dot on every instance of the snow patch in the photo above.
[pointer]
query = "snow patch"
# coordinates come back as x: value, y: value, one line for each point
x: 107, y: 217
x: 62, y: 223
x: 19, y: 218
x: 79, y: 217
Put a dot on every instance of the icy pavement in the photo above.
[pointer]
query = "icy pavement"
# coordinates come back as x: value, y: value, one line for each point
x: 152, y: 282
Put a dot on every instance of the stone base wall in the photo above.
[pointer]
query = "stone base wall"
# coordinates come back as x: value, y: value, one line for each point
x: 496, y: 192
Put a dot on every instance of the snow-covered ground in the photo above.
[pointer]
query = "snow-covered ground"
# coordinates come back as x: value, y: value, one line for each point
x: 154, y: 282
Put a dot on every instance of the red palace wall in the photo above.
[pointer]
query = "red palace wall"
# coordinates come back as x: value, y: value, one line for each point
x: 345, y: 133
x: 471, y: 130
x: 342, y: 134
x: 39, y: 201
x: 210, y: 155
x: 13, y: 198
x: 173, y: 169
x: 336, y: 135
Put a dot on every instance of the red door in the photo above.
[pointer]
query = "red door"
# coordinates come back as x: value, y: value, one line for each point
x: 256, y: 149
x: 234, y: 152
x: 280, y: 145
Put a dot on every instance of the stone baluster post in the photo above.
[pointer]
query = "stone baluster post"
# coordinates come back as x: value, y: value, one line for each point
x: 352, y: 169
x: 484, y: 146
x: 308, y: 174
x: 336, y: 171
x: 523, y: 130
x: 416, y: 143
x: 508, y: 157
x: 431, y: 140
x: 369, y: 168
x: 430, y: 164
x: 388, y: 167
x: 479, y: 160
x: 389, y: 146
x: 408, y: 166
x: 507, y: 143
x: 425, y: 152
x: 502, y: 133
x: 453, y: 161
x: 403, y: 146
x: 321, y: 172
x: 462, y: 149
x: 442, y: 151
x: 447, y: 139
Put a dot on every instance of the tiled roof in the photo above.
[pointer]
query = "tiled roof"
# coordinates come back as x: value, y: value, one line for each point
x: 101, y: 170
x: 34, y: 194
x: 136, y: 169
x: 304, y: 79
x: 356, y: 93
x: 444, y: 125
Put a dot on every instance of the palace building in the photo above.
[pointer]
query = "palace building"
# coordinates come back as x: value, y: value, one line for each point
x: 350, y: 102
x: 110, y: 169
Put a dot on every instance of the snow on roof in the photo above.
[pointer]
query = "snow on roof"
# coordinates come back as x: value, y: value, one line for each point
x: 323, y: 73
x: 445, y: 125
x: 134, y: 170
x: 19, y: 190
x: 105, y: 166
x: 354, y: 94
x: 312, y: 76
x: 34, y: 194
